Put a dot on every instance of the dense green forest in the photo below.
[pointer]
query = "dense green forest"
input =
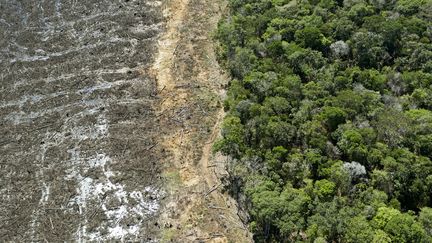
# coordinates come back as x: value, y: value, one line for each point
x: 329, y: 118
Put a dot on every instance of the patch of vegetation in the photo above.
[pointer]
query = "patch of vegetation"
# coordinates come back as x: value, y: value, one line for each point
x: 173, y: 179
x: 329, y: 118
x: 168, y: 235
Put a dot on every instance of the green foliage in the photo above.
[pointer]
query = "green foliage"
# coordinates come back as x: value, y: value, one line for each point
x: 359, y: 230
x: 329, y: 118
x: 381, y: 237
x: 324, y: 188
x: 310, y: 37
x: 425, y: 219
x: 404, y: 228
x: 383, y: 216
x: 283, y: 209
x: 333, y: 116
x: 368, y: 49
x: 233, y: 132
x: 409, y: 7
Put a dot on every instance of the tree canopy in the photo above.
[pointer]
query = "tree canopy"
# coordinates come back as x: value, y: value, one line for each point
x: 329, y: 118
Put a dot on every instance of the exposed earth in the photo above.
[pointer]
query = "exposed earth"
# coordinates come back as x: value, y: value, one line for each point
x: 191, y: 87
x: 108, y: 112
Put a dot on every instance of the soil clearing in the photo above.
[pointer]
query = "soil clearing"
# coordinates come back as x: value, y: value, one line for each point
x: 191, y: 84
x: 108, y: 112
x: 79, y: 157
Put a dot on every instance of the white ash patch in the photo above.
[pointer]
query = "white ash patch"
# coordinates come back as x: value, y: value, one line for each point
x: 132, y: 204
x: 153, y: 3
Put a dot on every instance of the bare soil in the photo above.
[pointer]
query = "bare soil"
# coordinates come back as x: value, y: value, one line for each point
x: 191, y: 83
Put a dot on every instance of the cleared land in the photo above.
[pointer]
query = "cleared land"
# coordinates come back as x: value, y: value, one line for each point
x: 77, y: 120
x: 108, y: 110
x: 191, y: 87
